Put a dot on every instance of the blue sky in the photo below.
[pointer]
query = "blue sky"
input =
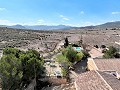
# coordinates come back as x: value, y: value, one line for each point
x: 55, y: 12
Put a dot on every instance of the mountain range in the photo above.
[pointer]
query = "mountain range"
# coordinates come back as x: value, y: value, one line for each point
x: 38, y: 27
x: 109, y: 25
x: 58, y: 27
x: 104, y: 26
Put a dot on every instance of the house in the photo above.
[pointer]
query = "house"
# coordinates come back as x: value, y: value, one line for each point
x: 107, y: 65
x: 96, y: 53
x: 97, y: 80
x: 103, y: 74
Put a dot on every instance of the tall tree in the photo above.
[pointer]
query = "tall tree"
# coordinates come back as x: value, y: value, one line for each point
x: 32, y: 65
x: 19, y: 68
x: 10, y: 69
x: 66, y: 42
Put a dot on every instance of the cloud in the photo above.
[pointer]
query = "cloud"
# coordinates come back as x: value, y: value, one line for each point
x: 3, y: 9
x: 61, y: 16
x: 89, y: 23
x: 114, y: 13
x: 36, y: 22
x: 82, y: 12
x: 41, y: 21
x: 64, y: 18
x: 6, y: 22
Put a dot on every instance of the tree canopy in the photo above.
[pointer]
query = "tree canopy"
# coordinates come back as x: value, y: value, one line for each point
x: 68, y: 57
x: 72, y: 55
x: 112, y: 52
x: 18, y: 68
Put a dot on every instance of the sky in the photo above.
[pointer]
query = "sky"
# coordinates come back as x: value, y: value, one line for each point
x: 59, y: 12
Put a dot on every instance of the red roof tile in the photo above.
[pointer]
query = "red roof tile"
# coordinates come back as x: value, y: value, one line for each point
x: 91, y: 81
x: 108, y: 64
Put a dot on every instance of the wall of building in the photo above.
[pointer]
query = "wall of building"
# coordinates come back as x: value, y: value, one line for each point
x: 91, y: 65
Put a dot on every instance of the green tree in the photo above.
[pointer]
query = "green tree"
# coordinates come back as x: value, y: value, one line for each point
x: 32, y: 66
x: 66, y: 42
x: 64, y: 72
x: 10, y: 69
x: 72, y: 55
x: 79, y: 56
x: 18, y: 68
x: 86, y: 55
x: 112, y: 52
x: 63, y: 60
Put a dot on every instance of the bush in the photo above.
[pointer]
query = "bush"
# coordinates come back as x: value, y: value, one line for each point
x: 112, y: 52
x: 103, y: 46
x: 96, y: 46
x: 64, y: 72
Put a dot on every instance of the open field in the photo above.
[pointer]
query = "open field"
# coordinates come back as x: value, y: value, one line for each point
x: 45, y: 41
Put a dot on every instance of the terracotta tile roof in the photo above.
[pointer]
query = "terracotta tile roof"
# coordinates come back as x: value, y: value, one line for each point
x: 111, y: 80
x: 108, y: 64
x: 97, y: 80
x: 91, y: 80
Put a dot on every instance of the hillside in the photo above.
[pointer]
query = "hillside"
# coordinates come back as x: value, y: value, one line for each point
x: 46, y: 27
x: 109, y: 25
x: 104, y: 26
x: 38, y: 27
x: 17, y: 26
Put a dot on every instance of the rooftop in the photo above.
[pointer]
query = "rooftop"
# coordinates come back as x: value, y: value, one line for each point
x: 111, y: 80
x: 108, y: 64
x: 96, y: 80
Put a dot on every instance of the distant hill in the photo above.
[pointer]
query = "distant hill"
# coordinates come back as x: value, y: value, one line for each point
x: 104, y: 26
x: 38, y: 27
x: 109, y: 25
x: 88, y: 27
x: 3, y: 25
x: 17, y: 26
x: 64, y: 27
x: 45, y: 27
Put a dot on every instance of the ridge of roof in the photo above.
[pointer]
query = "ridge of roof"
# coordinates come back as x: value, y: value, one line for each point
x: 91, y: 82
x: 104, y: 80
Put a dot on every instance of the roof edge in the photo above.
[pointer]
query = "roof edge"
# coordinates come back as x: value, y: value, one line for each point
x: 103, y: 80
